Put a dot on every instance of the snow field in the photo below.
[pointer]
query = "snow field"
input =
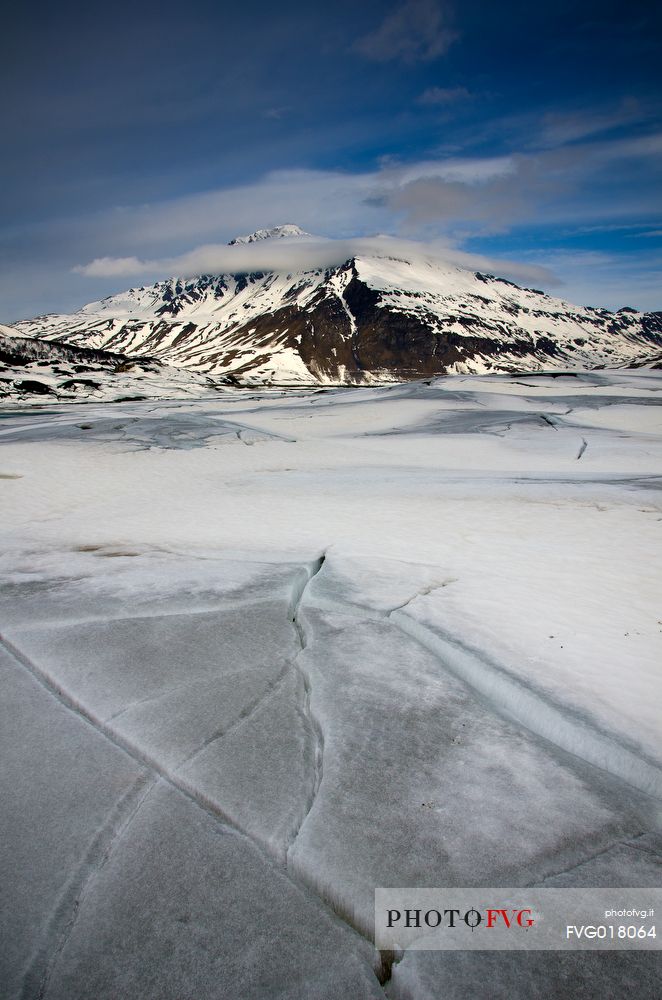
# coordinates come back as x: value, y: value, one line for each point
x: 318, y: 654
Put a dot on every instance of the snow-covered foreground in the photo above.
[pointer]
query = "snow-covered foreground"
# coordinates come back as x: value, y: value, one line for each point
x: 263, y: 653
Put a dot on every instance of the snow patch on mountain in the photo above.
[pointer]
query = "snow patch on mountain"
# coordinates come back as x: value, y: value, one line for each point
x: 286, y: 231
x: 34, y: 370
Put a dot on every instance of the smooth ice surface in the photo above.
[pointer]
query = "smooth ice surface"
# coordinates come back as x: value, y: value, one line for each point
x: 407, y: 635
x: 541, y: 975
x: 536, y: 975
x: 579, y: 701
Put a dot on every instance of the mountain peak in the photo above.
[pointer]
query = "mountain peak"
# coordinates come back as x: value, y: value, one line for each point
x: 276, y: 232
x: 375, y: 317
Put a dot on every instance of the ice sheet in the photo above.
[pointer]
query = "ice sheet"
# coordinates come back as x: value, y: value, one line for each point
x: 174, y: 597
x: 66, y: 792
x: 186, y: 909
x: 535, y: 975
x: 421, y: 780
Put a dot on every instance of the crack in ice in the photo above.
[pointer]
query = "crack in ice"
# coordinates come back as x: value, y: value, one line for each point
x: 174, y: 780
x: 62, y: 920
x: 243, y: 716
x: 431, y: 589
x: 519, y: 700
x: 314, y: 728
x: 622, y: 842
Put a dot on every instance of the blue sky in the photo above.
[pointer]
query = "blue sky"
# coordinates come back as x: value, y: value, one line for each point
x: 144, y: 131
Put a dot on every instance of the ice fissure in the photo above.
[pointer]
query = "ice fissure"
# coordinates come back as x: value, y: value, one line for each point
x: 517, y: 700
x: 447, y: 700
x: 622, y: 842
x: 314, y: 728
x: 61, y: 922
x: 521, y: 702
x: 243, y: 716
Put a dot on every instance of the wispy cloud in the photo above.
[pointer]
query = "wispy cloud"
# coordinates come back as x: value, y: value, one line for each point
x: 614, y: 227
x: 489, y: 202
x: 463, y: 170
x: 560, y: 128
x: 443, y: 95
x: 416, y: 31
x: 111, y: 267
x: 306, y: 253
x: 453, y: 197
x: 585, y: 187
x: 331, y: 202
x: 277, y: 113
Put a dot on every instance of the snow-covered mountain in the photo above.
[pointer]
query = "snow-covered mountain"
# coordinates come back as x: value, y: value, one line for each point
x: 36, y: 370
x: 379, y: 316
x: 287, y: 231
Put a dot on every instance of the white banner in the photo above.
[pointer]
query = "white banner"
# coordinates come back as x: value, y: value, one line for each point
x: 518, y: 919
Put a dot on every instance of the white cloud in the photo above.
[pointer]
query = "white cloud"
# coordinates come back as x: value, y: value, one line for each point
x: 305, y: 253
x: 320, y: 201
x: 417, y: 31
x: 453, y: 197
x: 458, y: 197
x: 110, y: 267
x: 453, y: 170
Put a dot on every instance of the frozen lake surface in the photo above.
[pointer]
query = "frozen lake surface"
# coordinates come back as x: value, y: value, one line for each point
x: 263, y: 653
